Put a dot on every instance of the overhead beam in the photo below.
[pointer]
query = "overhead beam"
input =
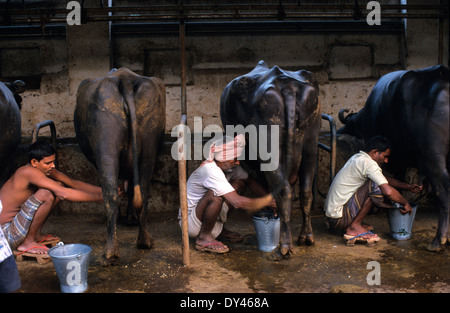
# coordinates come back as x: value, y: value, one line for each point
x: 221, y: 12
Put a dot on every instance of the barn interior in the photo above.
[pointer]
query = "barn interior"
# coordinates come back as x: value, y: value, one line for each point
x: 197, y: 47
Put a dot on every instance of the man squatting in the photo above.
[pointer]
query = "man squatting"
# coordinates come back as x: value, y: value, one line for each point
x: 26, y: 201
x: 215, y: 189
x: 360, y: 185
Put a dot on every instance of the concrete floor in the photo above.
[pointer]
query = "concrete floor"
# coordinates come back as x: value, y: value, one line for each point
x: 329, y: 266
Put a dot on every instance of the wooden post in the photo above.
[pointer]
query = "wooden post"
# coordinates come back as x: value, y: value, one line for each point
x: 182, y: 187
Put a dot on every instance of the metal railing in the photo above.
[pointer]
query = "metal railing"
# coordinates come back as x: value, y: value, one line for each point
x: 35, y: 135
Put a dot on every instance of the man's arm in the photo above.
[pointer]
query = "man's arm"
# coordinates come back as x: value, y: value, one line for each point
x: 260, y: 191
x: 73, y: 183
x: 40, y: 180
x: 251, y: 205
x: 392, y: 194
x: 405, y: 186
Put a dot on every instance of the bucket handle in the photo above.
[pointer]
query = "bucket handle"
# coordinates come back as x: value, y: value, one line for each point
x: 59, y: 244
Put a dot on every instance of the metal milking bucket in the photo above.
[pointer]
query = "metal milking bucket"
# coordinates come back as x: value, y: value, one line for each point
x: 71, y: 263
x: 401, y: 225
x: 267, y: 228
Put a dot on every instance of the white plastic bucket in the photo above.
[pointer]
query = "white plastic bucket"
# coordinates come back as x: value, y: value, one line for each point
x: 401, y: 224
x: 71, y: 263
x: 267, y: 228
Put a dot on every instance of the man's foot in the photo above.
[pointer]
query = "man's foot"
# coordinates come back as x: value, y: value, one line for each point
x: 358, y: 229
x: 213, y: 247
x: 367, y: 237
x: 363, y: 236
x: 32, y: 247
x: 46, y: 238
x: 367, y: 226
x: 231, y: 236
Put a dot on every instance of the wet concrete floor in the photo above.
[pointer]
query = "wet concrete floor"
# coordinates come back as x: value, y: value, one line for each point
x: 329, y: 266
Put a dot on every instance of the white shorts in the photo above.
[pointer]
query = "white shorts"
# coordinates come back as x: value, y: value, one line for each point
x: 194, y: 224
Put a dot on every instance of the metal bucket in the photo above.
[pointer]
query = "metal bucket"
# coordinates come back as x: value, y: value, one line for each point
x: 267, y: 228
x: 71, y: 263
x: 401, y: 225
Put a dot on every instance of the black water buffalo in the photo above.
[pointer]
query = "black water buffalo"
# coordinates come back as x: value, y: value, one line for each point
x: 411, y: 108
x: 10, y: 126
x: 288, y: 100
x: 119, y: 122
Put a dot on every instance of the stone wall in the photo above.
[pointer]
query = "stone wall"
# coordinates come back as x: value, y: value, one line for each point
x: 347, y: 65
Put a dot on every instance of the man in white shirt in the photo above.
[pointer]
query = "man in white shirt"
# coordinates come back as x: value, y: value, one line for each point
x: 214, y: 189
x: 360, y: 185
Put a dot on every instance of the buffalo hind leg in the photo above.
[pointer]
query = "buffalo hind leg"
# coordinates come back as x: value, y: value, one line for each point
x: 306, y: 236
x: 108, y: 174
x: 440, y: 183
x: 285, y: 246
x: 144, y: 239
x: 306, y: 177
x: 112, y: 254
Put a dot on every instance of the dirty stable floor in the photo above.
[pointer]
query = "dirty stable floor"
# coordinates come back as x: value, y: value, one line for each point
x: 329, y: 266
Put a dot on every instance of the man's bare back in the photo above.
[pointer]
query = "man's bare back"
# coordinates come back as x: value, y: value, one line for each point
x: 14, y: 193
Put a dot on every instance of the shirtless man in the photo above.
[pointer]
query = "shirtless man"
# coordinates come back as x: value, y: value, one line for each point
x: 29, y: 196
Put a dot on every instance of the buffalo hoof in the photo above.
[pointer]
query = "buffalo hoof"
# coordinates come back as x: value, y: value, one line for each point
x: 112, y: 254
x: 110, y: 261
x: 277, y: 254
x: 306, y: 240
x: 437, y: 245
x: 144, y: 241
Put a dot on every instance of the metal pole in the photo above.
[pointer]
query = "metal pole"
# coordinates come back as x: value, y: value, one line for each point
x: 332, y: 148
x: 441, y: 39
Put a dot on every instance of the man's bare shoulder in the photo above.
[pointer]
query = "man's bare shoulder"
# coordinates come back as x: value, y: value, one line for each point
x: 26, y: 170
x: 27, y: 174
x: 18, y: 185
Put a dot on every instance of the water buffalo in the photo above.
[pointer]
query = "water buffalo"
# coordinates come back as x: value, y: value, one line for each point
x: 119, y: 122
x: 411, y: 108
x: 10, y: 126
x: 289, y: 100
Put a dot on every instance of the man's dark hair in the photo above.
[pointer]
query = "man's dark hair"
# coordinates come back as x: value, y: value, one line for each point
x: 39, y: 150
x: 379, y: 143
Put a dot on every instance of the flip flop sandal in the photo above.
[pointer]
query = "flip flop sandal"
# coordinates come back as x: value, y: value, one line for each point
x: 34, y: 247
x: 41, y: 258
x: 208, y: 247
x: 51, y: 242
x: 351, y: 240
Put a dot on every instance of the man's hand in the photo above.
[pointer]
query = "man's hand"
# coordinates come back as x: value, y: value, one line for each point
x: 273, y: 206
x: 406, y: 208
x: 121, y: 191
x: 415, y: 188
